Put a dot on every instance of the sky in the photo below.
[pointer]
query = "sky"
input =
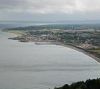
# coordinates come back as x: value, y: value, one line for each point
x: 49, y: 10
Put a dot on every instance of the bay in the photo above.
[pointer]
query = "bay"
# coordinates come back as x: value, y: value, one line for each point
x: 31, y: 66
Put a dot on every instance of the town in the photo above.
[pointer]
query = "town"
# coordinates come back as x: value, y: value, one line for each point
x: 83, y: 37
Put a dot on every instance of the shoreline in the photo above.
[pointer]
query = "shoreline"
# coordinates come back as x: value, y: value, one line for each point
x: 61, y: 44
x: 83, y: 51
x: 77, y: 49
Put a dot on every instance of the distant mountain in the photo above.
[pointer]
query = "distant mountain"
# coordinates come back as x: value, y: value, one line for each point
x: 60, y: 26
x: 55, y: 22
x: 89, y: 24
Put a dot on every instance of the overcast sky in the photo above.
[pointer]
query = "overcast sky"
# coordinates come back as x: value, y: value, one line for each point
x: 49, y: 10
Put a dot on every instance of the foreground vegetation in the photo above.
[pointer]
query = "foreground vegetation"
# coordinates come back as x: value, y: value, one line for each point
x: 89, y: 84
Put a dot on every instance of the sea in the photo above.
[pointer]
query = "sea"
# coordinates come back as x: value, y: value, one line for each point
x: 31, y: 66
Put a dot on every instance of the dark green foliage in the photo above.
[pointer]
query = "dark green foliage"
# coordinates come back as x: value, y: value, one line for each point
x: 89, y: 84
x: 93, y: 84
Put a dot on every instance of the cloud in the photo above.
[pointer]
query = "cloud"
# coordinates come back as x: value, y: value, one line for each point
x: 50, y: 6
x: 49, y: 9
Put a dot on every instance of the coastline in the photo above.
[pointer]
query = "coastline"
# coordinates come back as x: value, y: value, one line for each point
x: 65, y: 45
x: 60, y: 44
x: 83, y: 51
x: 77, y: 49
